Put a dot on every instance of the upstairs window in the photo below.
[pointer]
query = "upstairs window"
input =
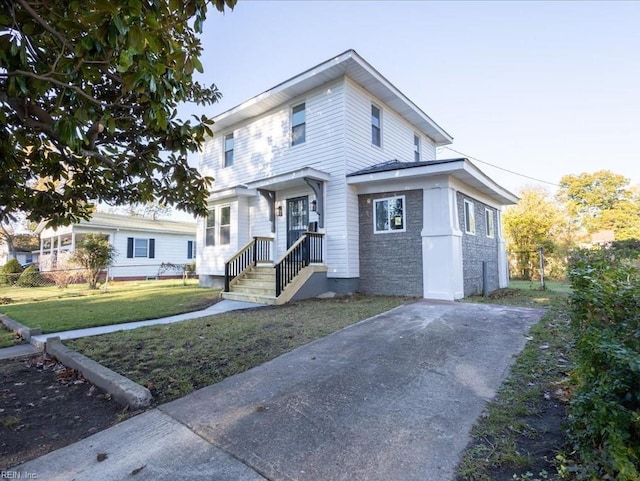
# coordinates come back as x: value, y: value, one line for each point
x: 228, y: 150
x: 469, y: 217
x: 389, y: 215
x: 488, y: 214
x: 416, y: 147
x: 376, y: 125
x: 298, y: 124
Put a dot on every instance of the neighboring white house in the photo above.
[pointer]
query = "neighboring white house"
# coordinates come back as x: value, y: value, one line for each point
x: 339, y: 150
x: 142, y: 244
x: 24, y: 257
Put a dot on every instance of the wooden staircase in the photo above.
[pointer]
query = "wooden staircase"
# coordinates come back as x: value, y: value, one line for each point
x: 256, y: 284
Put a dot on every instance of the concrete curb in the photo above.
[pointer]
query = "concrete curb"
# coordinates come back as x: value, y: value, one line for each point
x: 24, y: 331
x: 123, y: 390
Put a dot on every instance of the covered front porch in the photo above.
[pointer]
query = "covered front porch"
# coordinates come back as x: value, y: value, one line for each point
x: 266, y: 239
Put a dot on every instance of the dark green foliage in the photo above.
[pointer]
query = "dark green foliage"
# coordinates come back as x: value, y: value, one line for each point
x: 10, y: 272
x: 94, y: 254
x: 89, y: 92
x: 605, y: 411
x: 31, y: 277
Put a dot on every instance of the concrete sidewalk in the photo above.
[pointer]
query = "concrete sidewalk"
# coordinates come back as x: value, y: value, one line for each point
x: 219, y: 307
x: 391, y: 398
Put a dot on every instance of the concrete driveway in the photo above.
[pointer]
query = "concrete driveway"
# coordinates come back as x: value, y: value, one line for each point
x: 391, y: 398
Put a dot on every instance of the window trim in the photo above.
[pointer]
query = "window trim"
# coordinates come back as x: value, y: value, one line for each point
x: 221, y: 225
x: 302, y: 124
x: 490, y: 225
x: 469, y: 217
x: 417, y: 147
x: 228, y: 153
x: 404, y: 215
x: 374, y: 127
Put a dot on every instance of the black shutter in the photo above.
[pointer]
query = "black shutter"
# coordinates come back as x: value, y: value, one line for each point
x: 189, y: 249
x: 129, y: 247
x: 152, y: 248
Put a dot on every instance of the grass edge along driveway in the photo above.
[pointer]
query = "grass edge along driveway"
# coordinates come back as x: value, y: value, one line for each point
x: 176, y: 359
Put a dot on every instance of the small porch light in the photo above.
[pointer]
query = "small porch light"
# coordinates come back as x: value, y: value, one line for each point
x: 314, y: 205
x: 279, y: 211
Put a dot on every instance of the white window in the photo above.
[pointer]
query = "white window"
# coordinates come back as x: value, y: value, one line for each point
x: 228, y: 150
x: 416, y: 147
x: 210, y: 233
x: 389, y: 215
x: 298, y: 124
x: 469, y: 217
x: 376, y: 126
x: 225, y: 225
x: 488, y: 214
x: 141, y: 248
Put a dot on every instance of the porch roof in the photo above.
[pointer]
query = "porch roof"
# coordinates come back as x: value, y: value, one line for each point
x: 285, y: 180
x: 461, y: 168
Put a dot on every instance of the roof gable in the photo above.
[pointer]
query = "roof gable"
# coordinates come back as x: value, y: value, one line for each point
x: 348, y: 64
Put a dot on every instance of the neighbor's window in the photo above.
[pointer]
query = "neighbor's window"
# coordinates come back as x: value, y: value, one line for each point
x: 488, y: 213
x: 210, y: 233
x: 469, y: 217
x: 389, y: 215
x: 225, y: 225
x: 228, y: 150
x: 191, y: 249
x: 298, y: 124
x: 140, y: 248
x: 376, y: 132
x: 416, y: 147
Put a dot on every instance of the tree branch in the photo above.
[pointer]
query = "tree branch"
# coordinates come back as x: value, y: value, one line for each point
x: 42, y: 22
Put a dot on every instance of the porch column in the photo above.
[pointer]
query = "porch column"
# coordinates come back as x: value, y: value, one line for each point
x: 441, y: 245
x: 503, y: 261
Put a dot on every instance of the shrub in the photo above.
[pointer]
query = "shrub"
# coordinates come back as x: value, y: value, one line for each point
x: 10, y: 272
x: 31, y: 277
x: 605, y: 313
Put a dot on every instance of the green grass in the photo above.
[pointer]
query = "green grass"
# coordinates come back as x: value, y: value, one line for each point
x: 516, y: 422
x: 77, y: 307
x: 525, y: 294
x: 8, y: 338
x: 174, y: 360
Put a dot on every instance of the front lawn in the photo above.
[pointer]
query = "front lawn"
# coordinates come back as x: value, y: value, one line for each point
x: 176, y: 359
x: 77, y: 307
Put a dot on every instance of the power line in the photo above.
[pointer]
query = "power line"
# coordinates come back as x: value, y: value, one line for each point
x: 501, y: 168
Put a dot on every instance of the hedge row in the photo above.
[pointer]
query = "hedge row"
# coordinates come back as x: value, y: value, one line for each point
x: 605, y: 312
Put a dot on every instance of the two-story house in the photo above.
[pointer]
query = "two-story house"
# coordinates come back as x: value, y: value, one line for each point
x: 329, y: 182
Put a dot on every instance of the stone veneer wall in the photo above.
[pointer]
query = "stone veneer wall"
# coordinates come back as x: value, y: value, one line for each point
x: 477, y: 248
x: 391, y: 263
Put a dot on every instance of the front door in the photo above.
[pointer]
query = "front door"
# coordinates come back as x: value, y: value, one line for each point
x: 297, y: 218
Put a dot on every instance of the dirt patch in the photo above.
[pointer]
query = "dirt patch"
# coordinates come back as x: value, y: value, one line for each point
x: 45, y: 406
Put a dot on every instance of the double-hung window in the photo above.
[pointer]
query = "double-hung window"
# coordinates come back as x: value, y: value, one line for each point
x: 469, y: 217
x: 488, y: 214
x: 210, y: 234
x: 218, y: 227
x: 298, y: 124
x: 416, y: 147
x: 228, y: 150
x: 376, y: 126
x: 389, y: 215
x: 137, y: 247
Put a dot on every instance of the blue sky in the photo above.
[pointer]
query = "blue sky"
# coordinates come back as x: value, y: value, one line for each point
x: 541, y: 88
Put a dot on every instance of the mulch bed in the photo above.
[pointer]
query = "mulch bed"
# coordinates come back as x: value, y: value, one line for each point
x: 44, y: 406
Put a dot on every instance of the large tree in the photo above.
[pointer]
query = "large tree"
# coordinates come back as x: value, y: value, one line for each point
x: 89, y: 91
x: 534, y: 222
x: 602, y: 200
